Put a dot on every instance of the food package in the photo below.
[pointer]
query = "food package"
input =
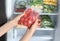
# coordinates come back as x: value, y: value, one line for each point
x: 28, y: 18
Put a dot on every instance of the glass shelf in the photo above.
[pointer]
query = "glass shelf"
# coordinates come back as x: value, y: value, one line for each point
x: 23, y: 27
x: 45, y: 29
x: 17, y: 12
x: 39, y: 14
x: 48, y: 13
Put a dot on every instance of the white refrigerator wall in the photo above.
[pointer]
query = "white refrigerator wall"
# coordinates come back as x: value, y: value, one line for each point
x: 9, y: 7
x: 57, y: 32
x: 9, y: 13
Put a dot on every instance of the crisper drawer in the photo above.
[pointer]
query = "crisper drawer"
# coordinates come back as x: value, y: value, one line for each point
x: 39, y: 35
x: 21, y: 31
x: 44, y: 38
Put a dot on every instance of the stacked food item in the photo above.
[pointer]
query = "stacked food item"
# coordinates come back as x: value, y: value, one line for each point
x: 50, y: 6
x: 37, y: 5
x: 42, y: 6
x: 50, y: 2
x: 20, y: 6
x: 45, y: 6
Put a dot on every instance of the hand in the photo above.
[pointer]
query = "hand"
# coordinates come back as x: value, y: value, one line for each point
x: 30, y: 31
x: 16, y: 19
x: 35, y: 25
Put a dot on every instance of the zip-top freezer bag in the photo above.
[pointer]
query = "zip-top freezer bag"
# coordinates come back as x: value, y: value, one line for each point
x: 28, y: 18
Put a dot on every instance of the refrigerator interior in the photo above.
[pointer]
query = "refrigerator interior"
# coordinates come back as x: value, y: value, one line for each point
x: 41, y: 34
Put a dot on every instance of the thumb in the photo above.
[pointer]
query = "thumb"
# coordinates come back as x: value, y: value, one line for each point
x: 35, y: 25
x: 36, y: 22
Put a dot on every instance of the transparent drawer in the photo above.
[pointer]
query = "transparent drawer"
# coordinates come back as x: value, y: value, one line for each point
x: 39, y: 35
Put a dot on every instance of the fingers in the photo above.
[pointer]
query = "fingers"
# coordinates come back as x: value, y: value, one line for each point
x: 39, y: 22
x: 20, y: 15
x: 35, y: 24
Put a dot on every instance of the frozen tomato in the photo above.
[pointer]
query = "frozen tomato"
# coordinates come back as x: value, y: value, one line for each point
x: 29, y: 23
x: 35, y: 13
x: 28, y: 11
x: 31, y: 14
x: 25, y: 22
x: 21, y: 20
x: 33, y: 18
x: 25, y: 15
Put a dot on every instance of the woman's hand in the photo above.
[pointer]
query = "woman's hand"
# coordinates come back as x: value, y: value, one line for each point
x: 16, y: 19
x: 35, y: 25
x: 7, y: 26
x: 30, y: 31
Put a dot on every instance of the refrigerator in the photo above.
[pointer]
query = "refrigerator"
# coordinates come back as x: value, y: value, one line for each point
x: 47, y: 12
